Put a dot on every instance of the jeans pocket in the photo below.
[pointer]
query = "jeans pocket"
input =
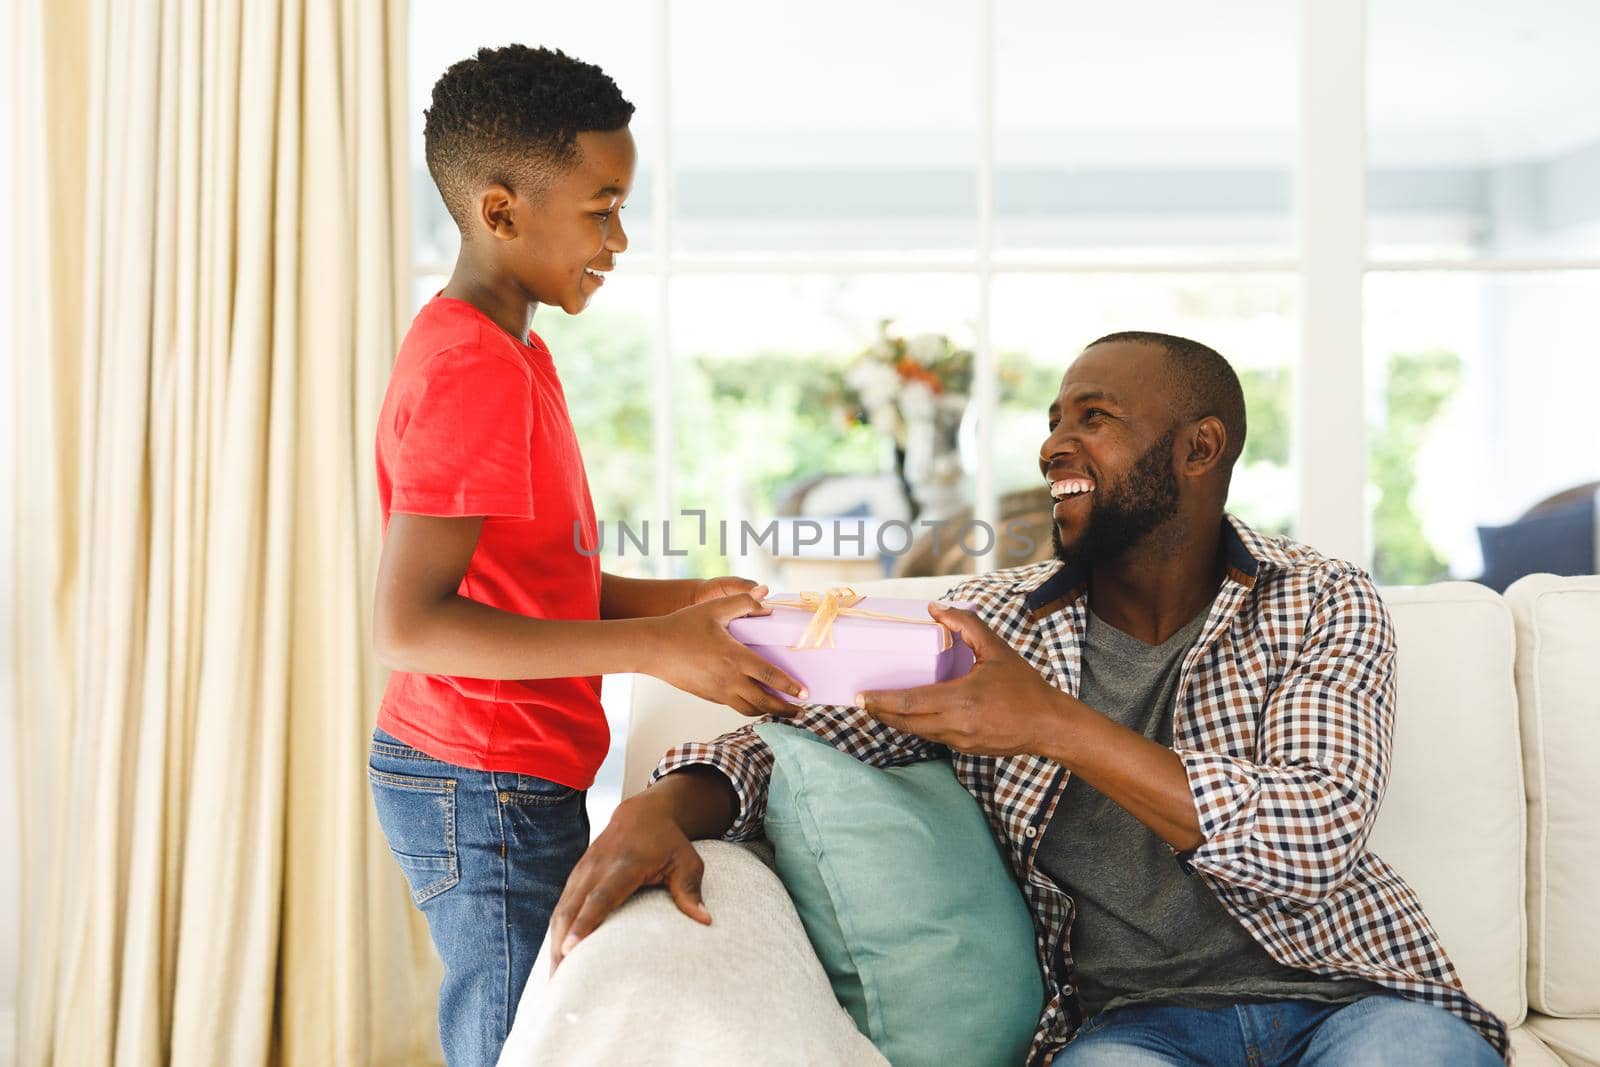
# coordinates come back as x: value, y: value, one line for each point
x: 418, y: 816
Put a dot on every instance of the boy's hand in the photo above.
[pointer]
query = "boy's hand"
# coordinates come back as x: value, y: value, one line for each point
x: 698, y: 656
x: 716, y: 588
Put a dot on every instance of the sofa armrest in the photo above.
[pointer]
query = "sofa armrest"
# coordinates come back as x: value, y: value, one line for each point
x: 653, y: 986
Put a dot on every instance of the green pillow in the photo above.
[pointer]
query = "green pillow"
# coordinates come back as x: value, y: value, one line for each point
x: 908, y: 902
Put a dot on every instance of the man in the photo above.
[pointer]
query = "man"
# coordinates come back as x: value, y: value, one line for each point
x: 1183, y: 729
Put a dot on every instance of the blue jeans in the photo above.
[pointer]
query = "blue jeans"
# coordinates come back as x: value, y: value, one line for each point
x: 1376, y: 1031
x: 487, y: 855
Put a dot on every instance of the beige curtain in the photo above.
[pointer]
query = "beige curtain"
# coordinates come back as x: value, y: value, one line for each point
x: 213, y: 193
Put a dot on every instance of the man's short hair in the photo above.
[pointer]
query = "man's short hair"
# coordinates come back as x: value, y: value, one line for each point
x: 512, y: 116
x: 1203, y: 383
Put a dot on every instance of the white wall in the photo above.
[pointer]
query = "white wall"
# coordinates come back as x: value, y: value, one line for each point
x: 9, y: 845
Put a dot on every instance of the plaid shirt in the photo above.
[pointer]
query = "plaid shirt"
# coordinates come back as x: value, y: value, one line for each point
x: 1283, y: 721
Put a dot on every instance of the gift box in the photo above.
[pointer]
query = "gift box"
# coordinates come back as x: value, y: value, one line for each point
x: 838, y: 644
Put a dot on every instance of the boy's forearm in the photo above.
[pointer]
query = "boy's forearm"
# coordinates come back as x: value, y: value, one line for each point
x: 641, y: 598
x: 466, y: 639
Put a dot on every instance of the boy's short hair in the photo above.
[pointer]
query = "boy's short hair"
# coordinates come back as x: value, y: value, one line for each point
x: 512, y: 115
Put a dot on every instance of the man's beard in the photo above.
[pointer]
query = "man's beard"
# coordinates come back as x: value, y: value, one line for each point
x: 1126, y: 512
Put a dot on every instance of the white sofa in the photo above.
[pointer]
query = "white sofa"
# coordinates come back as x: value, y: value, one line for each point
x: 1492, y: 815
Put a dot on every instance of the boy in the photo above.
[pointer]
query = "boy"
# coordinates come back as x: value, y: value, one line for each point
x: 494, y: 622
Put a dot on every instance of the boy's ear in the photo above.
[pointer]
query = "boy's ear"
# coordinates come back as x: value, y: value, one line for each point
x: 496, y: 211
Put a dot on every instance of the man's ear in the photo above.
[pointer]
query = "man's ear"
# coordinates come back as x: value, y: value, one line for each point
x: 496, y: 211
x: 1207, y: 440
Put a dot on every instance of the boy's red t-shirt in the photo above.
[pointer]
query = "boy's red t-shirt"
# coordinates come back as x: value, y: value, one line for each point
x: 476, y: 423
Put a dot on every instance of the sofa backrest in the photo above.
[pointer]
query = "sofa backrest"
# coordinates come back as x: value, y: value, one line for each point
x: 1558, y: 686
x: 1453, y: 820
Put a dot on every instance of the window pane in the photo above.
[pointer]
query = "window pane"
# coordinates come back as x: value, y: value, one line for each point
x: 1042, y: 322
x: 424, y: 287
x: 824, y: 126
x: 1160, y: 129
x: 767, y: 419
x: 1481, y: 397
x: 1484, y: 129
x: 444, y: 33
x: 604, y: 358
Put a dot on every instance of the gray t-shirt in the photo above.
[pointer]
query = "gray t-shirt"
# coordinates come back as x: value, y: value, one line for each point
x: 1145, y: 931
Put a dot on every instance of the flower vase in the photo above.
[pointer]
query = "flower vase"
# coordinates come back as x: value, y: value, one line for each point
x: 932, y: 458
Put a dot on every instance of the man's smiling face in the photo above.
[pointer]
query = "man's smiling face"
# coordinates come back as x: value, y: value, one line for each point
x: 1109, y: 456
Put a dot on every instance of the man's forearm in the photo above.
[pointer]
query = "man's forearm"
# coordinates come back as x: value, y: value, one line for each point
x: 640, y: 598
x: 699, y: 799
x: 1142, y: 776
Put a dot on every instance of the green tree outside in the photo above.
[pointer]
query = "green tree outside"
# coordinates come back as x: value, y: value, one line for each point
x: 1417, y: 387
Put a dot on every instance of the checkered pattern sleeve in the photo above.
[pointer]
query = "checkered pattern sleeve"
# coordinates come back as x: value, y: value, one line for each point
x: 744, y: 759
x: 1293, y: 821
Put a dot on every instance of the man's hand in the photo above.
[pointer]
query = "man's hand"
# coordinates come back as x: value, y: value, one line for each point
x: 698, y: 656
x: 645, y: 844
x: 1003, y: 707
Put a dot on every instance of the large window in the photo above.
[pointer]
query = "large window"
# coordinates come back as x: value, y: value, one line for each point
x: 1482, y: 328
x: 1018, y: 177
x: 1006, y: 176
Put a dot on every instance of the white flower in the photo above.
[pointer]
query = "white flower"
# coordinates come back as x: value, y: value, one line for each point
x: 877, y: 383
x: 925, y: 347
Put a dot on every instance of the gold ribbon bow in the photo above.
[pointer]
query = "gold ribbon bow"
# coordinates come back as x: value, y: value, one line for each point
x: 827, y: 608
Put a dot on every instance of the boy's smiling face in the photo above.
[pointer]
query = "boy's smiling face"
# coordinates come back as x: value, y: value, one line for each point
x: 559, y: 245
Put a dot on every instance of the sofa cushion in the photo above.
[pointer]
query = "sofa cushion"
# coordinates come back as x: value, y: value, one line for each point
x: 1528, y: 1049
x: 1452, y: 821
x: 908, y: 902
x: 1558, y: 684
x: 1576, y: 1041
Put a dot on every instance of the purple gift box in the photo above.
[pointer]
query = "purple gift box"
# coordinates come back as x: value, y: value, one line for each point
x: 863, y: 650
